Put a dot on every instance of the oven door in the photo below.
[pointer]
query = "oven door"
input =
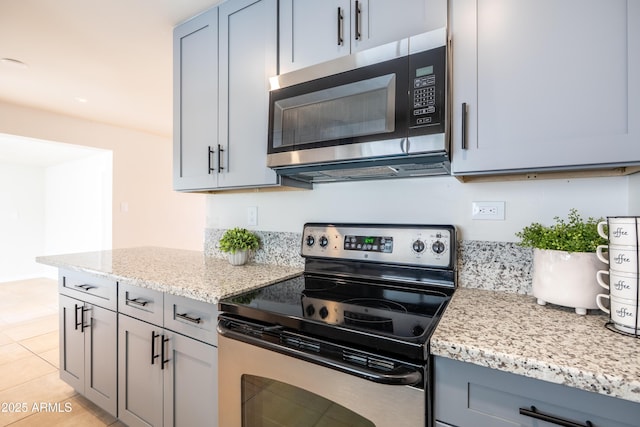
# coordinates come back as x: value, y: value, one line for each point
x: 262, y: 387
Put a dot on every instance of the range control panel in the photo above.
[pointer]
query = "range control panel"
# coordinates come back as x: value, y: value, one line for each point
x: 423, y: 245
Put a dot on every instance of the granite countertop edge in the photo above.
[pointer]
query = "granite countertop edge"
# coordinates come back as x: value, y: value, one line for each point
x: 589, y: 361
x: 201, y: 278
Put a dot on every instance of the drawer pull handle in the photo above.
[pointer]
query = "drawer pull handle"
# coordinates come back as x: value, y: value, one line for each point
x: 188, y: 318
x: 533, y: 413
x: 136, y: 301
x: 84, y: 287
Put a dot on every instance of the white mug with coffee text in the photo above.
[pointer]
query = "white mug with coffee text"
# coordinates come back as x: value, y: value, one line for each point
x: 620, y: 284
x: 623, y: 230
x: 619, y: 258
x: 623, y: 313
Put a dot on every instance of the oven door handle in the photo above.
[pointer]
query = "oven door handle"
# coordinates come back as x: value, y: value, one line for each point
x: 401, y: 377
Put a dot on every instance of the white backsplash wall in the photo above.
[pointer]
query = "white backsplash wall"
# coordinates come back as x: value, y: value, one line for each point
x: 438, y: 200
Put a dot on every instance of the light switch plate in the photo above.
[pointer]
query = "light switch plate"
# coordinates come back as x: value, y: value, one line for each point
x: 252, y: 215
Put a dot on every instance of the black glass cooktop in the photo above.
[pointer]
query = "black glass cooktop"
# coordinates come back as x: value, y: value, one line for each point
x: 373, y: 314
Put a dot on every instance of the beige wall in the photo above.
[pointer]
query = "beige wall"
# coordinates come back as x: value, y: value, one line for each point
x: 142, y: 166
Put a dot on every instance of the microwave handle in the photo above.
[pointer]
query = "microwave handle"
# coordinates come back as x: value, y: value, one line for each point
x: 340, y: 27
x: 464, y: 126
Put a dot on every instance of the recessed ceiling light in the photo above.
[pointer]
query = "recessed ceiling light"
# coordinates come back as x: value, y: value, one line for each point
x: 81, y: 100
x: 15, y: 63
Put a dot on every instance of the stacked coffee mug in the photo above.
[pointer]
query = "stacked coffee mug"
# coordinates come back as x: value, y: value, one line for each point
x: 623, y: 282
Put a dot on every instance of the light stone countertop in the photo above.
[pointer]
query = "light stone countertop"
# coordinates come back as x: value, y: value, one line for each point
x: 511, y: 333
x: 179, y: 272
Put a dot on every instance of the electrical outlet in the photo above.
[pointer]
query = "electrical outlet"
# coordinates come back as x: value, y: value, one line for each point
x: 252, y: 215
x: 487, y: 210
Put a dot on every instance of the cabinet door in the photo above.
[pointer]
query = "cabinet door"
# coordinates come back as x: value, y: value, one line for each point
x: 195, y: 102
x: 548, y: 84
x: 139, y: 380
x: 384, y: 21
x: 190, y: 383
x: 101, y: 358
x: 71, y: 343
x: 311, y: 32
x: 248, y: 57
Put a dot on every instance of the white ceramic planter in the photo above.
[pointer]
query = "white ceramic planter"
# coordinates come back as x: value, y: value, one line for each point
x: 567, y: 279
x: 238, y: 258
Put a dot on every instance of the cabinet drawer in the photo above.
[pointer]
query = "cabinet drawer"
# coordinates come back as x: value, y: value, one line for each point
x: 468, y: 395
x: 141, y: 303
x: 192, y: 318
x: 100, y: 291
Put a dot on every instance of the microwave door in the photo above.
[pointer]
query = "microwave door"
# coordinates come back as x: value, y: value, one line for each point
x: 336, y: 114
x: 358, y: 106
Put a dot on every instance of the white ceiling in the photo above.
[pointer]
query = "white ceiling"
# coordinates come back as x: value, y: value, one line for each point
x: 115, y: 54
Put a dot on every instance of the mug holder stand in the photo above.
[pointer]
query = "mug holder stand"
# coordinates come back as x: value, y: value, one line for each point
x: 610, y: 325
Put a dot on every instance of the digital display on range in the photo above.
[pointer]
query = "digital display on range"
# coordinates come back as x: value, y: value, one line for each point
x: 369, y: 243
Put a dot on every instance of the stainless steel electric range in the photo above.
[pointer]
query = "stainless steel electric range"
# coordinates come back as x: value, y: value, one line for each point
x: 348, y: 340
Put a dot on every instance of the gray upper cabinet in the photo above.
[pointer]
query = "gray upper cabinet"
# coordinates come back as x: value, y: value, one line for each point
x: 314, y: 31
x: 547, y: 85
x: 248, y: 57
x: 223, y: 59
x: 195, y: 95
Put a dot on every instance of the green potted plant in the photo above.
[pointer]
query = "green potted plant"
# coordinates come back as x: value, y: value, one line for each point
x: 238, y: 243
x: 564, y: 261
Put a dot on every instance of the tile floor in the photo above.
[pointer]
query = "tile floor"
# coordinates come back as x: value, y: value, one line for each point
x: 31, y: 393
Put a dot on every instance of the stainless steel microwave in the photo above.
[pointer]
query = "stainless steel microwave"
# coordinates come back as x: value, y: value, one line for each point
x: 379, y: 113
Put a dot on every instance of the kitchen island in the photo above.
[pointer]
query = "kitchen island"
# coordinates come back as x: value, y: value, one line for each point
x: 177, y: 272
x: 138, y: 329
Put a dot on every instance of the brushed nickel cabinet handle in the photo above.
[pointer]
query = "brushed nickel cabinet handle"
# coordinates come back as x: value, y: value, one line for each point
x: 188, y: 318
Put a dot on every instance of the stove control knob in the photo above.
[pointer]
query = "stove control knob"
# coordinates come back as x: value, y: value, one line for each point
x: 324, y: 312
x: 418, y: 246
x: 417, y: 330
x: 324, y: 241
x: 438, y: 247
x: 310, y: 310
x: 310, y: 240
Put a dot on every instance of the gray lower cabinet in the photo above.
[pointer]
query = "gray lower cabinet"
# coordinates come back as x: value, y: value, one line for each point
x: 166, y: 378
x: 88, y: 336
x: 467, y: 395
x: 88, y: 362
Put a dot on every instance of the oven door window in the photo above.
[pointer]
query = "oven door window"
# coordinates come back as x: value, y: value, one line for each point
x: 270, y: 403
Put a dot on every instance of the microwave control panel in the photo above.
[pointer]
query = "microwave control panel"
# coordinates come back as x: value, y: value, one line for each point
x: 427, y: 88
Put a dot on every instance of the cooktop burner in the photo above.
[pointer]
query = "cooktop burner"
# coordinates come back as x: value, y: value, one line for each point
x: 399, y: 313
x: 372, y: 286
